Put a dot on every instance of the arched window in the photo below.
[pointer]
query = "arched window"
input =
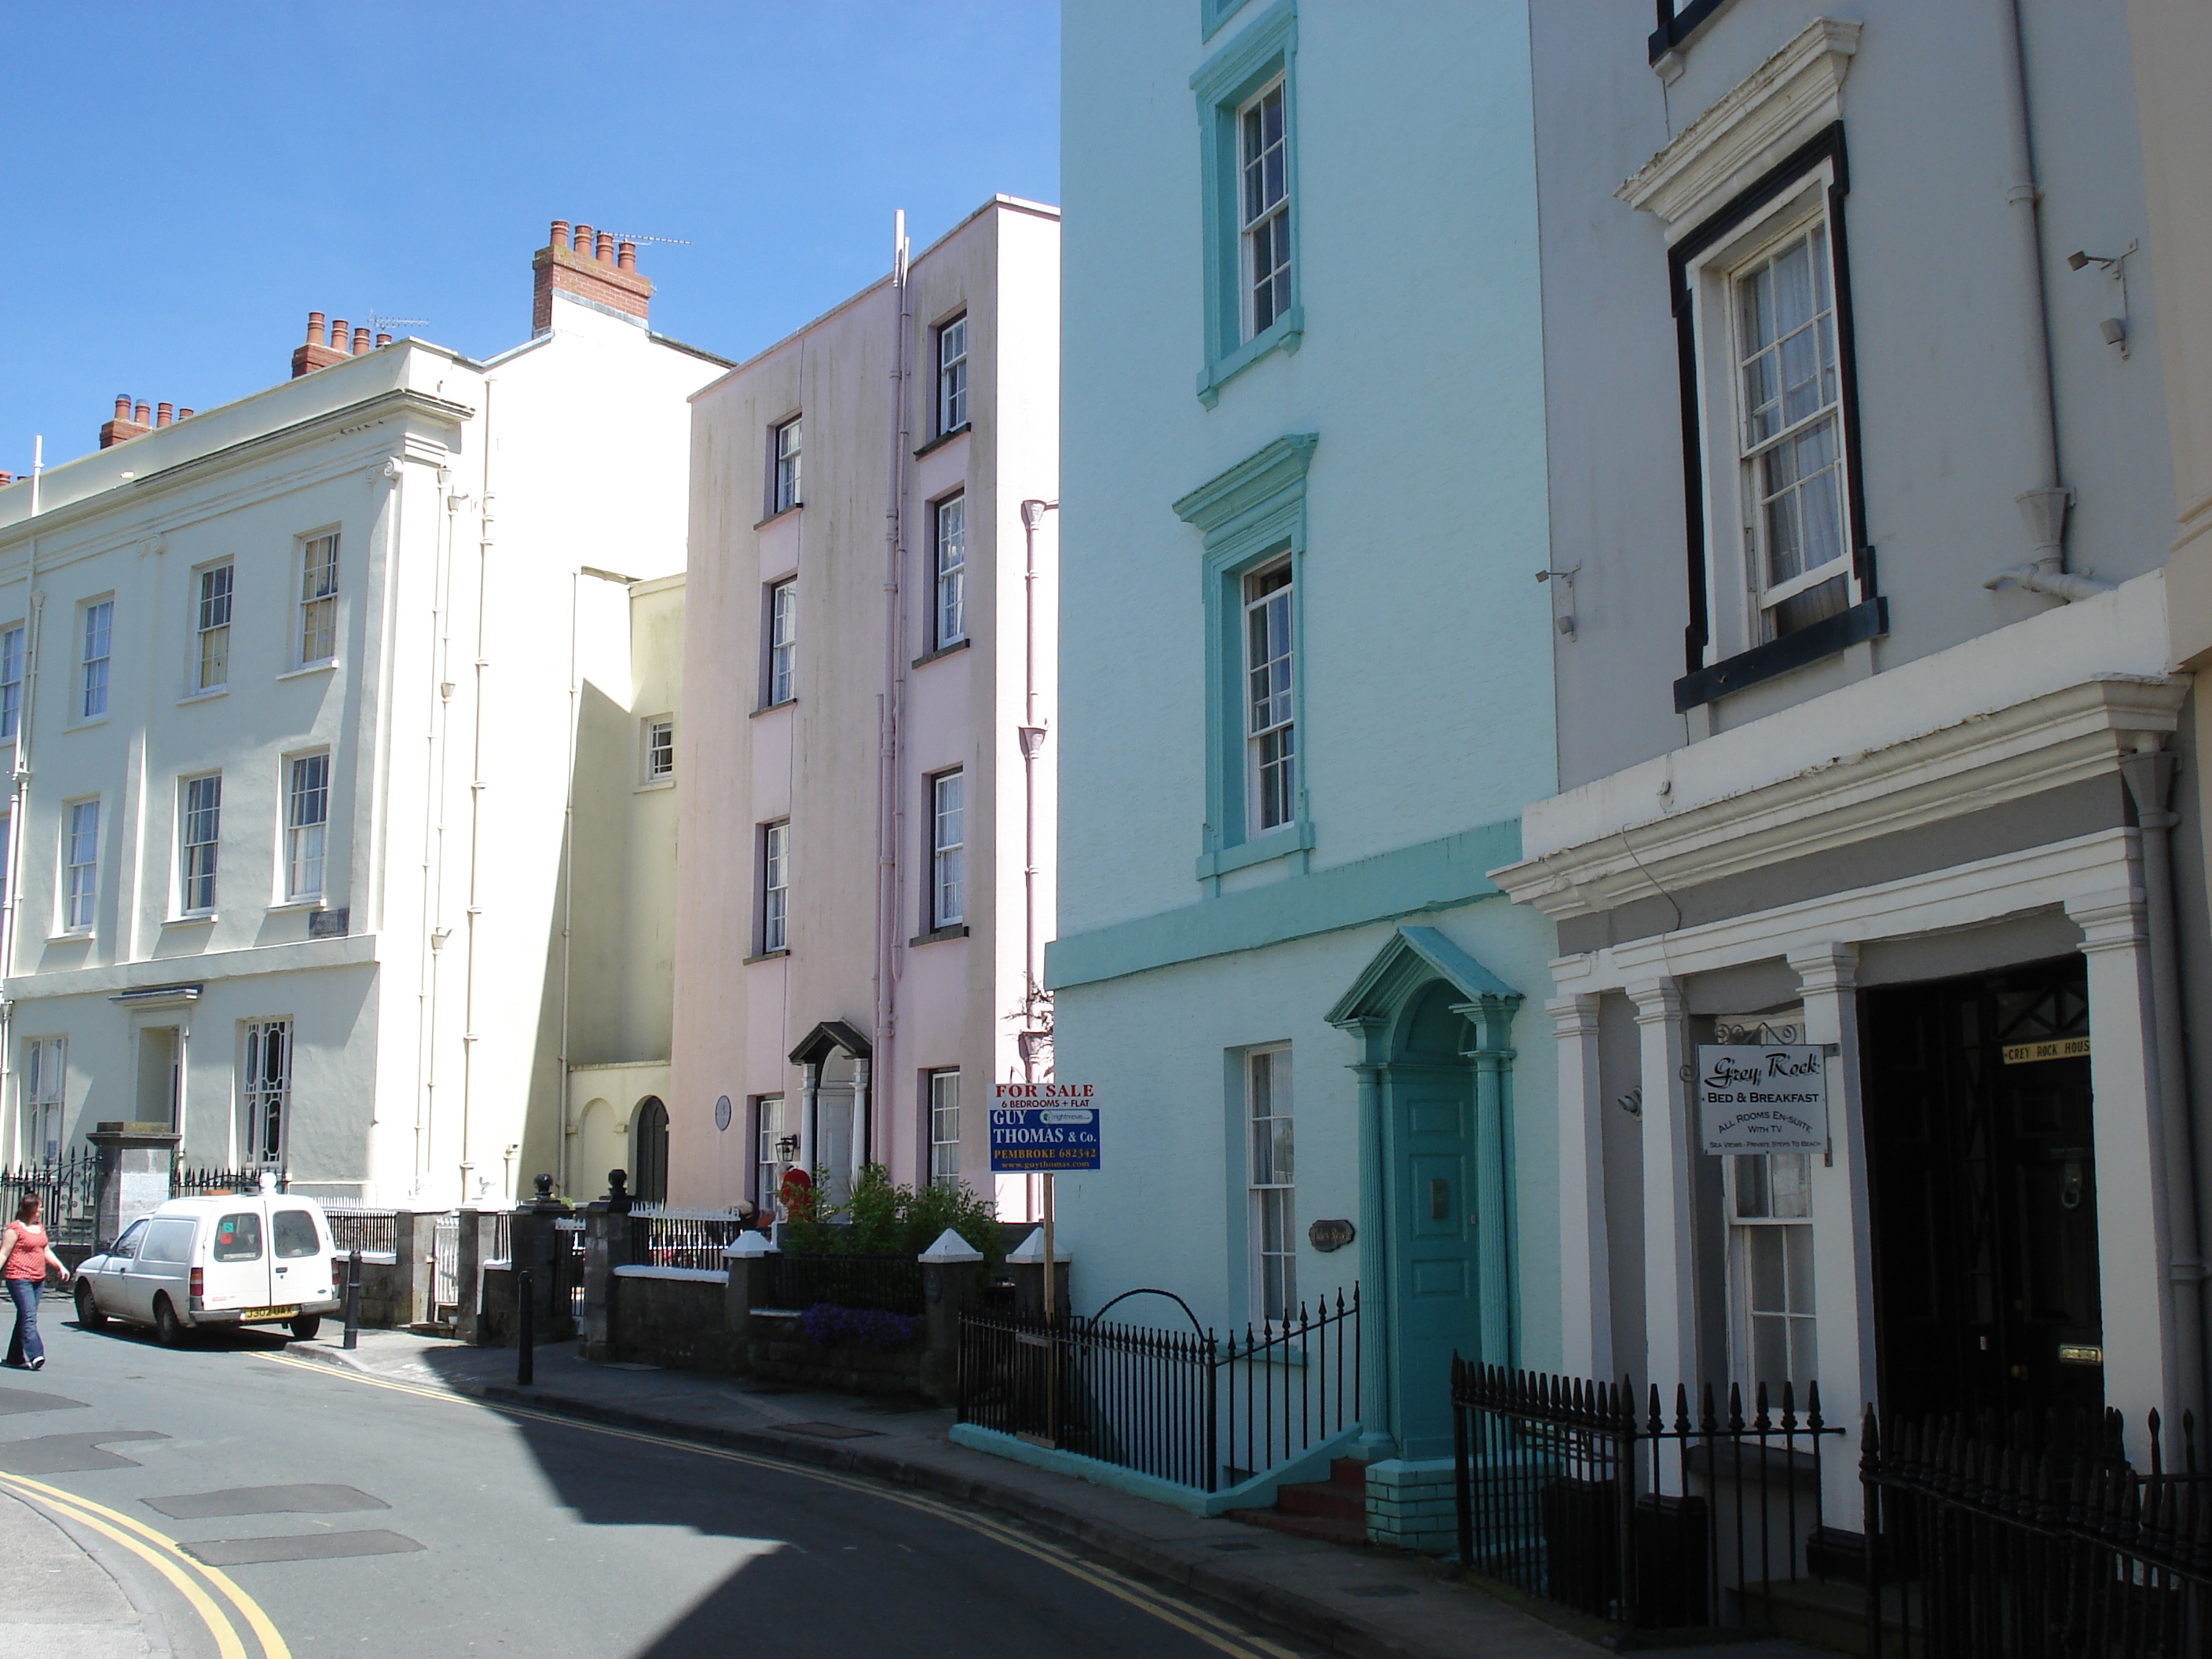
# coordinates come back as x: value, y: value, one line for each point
x: 650, y: 1168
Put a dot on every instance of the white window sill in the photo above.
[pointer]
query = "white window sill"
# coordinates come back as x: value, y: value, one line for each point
x: 657, y: 783
x: 331, y: 666
x: 1284, y: 334
x: 770, y: 707
x: 71, y: 936
x: 203, y: 696
x: 86, y: 724
x: 197, y: 919
x: 1274, y: 844
x: 314, y: 903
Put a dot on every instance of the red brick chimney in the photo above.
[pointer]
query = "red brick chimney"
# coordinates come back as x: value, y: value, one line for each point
x: 321, y: 350
x: 587, y: 265
x: 124, y: 427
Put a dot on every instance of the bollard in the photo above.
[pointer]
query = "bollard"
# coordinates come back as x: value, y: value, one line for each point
x: 353, y: 1299
x: 526, y: 1335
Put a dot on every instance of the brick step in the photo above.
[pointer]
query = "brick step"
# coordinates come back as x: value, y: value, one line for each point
x: 1347, y: 1472
x: 1328, y: 1529
x: 1323, y: 1498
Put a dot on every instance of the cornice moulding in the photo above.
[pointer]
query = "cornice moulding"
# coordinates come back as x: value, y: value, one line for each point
x: 1781, y: 104
x: 2064, y: 737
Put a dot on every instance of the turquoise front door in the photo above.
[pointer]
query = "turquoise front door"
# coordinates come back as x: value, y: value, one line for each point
x: 1434, y: 1230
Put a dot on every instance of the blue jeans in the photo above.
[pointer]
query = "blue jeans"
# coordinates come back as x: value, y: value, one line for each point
x: 24, y: 1346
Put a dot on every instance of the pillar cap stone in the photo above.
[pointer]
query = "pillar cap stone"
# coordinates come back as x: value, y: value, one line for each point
x: 1030, y: 1251
x: 748, y: 1244
x: 950, y: 1250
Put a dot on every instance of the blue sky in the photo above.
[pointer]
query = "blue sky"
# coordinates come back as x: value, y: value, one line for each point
x: 185, y: 182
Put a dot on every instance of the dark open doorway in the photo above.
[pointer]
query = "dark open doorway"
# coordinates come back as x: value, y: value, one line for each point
x: 650, y: 1171
x: 1982, y: 1163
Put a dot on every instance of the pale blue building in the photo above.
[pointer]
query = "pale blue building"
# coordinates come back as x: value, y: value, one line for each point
x: 1306, y: 686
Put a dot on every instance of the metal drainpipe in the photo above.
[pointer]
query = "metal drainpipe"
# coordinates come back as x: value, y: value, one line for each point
x: 2149, y: 774
x: 19, y: 805
x: 469, y: 1036
x: 567, y: 887
x: 433, y: 836
x: 890, y: 710
x: 2044, y: 504
x: 1037, y: 1004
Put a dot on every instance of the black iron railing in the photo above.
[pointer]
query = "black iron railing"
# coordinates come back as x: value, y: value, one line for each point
x: 1182, y: 1405
x: 2033, y: 1541
x: 1653, y: 1523
x: 680, y: 1238
x: 368, y: 1231
x: 207, y: 1182
x: 68, y: 1190
x: 891, y: 1283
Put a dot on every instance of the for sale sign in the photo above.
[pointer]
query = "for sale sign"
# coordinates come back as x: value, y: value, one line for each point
x: 1038, y: 1128
x: 1768, y: 1098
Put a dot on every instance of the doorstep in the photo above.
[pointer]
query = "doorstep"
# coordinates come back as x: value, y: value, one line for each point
x: 1362, y: 1602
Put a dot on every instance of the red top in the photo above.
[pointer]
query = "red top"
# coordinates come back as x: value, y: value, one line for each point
x: 29, y: 1258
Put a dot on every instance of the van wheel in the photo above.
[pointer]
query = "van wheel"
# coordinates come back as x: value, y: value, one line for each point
x: 168, y: 1330
x: 305, y: 1326
x: 87, y: 1311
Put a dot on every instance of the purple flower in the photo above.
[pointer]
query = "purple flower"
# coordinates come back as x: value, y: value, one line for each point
x: 825, y: 1323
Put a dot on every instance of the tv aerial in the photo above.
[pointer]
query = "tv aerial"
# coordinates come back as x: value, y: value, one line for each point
x: 386, y: 325
x: 665, y: 241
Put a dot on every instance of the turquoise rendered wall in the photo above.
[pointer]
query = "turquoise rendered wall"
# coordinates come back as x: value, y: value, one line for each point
x: 1426, y: 650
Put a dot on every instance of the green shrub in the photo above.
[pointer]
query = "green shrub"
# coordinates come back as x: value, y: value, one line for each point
x: 884, y: 1218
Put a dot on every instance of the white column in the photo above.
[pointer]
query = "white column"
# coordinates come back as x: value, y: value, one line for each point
x: 1843, y: 1221
x: 1670, y: 1288
x: 1585, y: 1265
x: 2142, y: 1368
x: 863, y: 1130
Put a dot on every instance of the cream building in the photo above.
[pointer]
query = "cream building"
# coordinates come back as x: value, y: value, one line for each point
x: 295, y: 691
x: 859, y: 928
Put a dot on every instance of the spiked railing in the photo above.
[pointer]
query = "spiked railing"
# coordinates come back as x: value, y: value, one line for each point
x: 1651, y: 1521
x: 2033, y: 1538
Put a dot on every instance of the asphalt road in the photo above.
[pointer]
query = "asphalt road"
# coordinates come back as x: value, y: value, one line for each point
x: 268, y: 1507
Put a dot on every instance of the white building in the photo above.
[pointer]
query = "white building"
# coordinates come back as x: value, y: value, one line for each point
x: 292, y: 688
x: 865, y: 857
x: 1858, y: 453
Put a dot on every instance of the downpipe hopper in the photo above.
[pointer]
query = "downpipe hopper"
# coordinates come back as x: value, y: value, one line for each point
x: 2045, y: 510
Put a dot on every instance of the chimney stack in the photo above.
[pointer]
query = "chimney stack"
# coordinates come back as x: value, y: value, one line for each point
x: 322, y: 350
x: 164, y: 413
x: 590, y: 267
x: 133, y: 420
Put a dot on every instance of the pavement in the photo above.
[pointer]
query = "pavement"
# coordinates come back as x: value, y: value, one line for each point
x: 62, y: 1595
x: 1370, y: 1602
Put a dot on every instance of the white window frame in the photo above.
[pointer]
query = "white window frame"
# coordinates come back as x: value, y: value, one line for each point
x: 96, y: 647
x: 45, y: 1097
x: 199, y: 835
x: 782, y: 627
x: 306, y: 841
x: 264, y: 1088
x: 1271, y: 1182
x: 12, y: 639
x: 1263, y: 211
x: 1778, y: 1238
x: 317, y: 641
x: 768, y: 1161
x: 952, y: 375
x: 1268, y: 696
x: 949, y: 534
x: 1741, y: 601
x: 660, y: 749
x: 948, y: 849
x: 775, y: 885
x: 80, y: 874
x: 944, y: 1106
x: 787, y: 444
x: 214, y: 594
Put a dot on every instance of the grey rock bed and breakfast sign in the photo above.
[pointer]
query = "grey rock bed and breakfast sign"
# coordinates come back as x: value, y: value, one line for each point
x: 1763, y: 1097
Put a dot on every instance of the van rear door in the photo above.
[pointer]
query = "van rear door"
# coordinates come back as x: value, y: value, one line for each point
x: 303, y: 1260
x: 235, y: 1257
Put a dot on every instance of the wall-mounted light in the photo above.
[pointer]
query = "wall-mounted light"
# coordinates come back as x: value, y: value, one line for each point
x: 2115, y: 266
x: 1563, y: 620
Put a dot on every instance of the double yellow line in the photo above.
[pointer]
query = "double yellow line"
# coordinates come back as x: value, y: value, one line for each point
x: 1192, y: 1620
x: 191, y: 1579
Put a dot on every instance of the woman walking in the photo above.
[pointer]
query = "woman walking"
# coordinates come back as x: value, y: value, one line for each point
x: 24, y: 1250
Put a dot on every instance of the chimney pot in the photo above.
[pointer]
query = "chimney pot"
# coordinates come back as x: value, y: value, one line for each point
x: 384, y: 339
x: 626, y: 255
x: 314, y: 328
x: 123, y: 406
x: 605, y: 253
x: 360, y: 340
x: 583, y: 243
x: 560, y: 238
x: 337, y: 333
x: 164, y: 413
x: 142, y: 416
x: 184, y: 414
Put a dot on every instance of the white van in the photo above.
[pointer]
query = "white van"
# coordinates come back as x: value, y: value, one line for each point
x: 244, y: 1259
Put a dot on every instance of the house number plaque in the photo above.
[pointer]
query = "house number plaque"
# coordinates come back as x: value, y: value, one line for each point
x: 1326, y: 1236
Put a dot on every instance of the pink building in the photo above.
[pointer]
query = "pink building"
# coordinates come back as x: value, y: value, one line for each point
x: 864, y: 873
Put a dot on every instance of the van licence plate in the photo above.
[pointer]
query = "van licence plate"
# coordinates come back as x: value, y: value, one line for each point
x: 251, y: 1314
